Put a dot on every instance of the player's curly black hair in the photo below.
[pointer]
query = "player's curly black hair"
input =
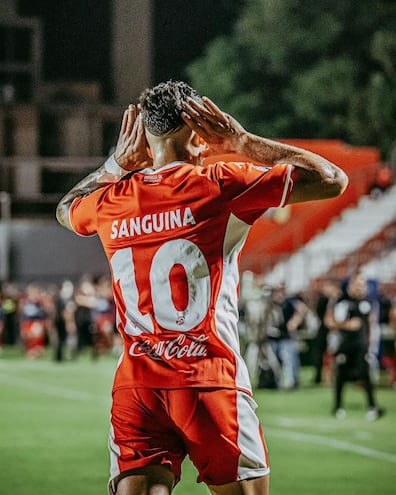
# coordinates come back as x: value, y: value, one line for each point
x: 161, y: 106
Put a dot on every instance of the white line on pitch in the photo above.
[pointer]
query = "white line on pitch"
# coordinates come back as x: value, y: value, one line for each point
x: 53, y: 390
x: 333, y: 443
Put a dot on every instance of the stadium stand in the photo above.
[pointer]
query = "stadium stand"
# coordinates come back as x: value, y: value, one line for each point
x: 382, y: 267
x: 346, y: 235
x: 284, y: 231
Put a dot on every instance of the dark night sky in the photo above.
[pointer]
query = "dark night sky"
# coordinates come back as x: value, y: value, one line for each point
x: 77, y: 35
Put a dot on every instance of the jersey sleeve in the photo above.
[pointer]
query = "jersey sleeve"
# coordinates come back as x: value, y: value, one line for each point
x: 256, y: 188
x: 83, y: 214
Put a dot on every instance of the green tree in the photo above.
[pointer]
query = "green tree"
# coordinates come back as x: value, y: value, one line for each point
x: 299, y: 68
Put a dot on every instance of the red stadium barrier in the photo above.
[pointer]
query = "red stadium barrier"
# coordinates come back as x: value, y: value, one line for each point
x: 286, y: 232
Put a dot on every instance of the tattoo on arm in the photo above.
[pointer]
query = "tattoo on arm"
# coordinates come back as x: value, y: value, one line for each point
x: 95, y: 180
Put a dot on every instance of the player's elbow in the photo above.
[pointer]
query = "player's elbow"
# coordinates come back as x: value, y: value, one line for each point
x: 330, y: 182
x: 311, y: 186
x: 62, y: 214
x: 334, y: 184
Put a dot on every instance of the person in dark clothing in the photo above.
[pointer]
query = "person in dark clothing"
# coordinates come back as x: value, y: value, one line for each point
x: 85, y: 303
x: 65, y: 324
x: 10, y: 302
x: 330, y: 291
x: 354, y: 316
x: 287, y: 314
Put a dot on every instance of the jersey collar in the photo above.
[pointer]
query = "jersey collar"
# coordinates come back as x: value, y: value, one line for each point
x: 148, y: 171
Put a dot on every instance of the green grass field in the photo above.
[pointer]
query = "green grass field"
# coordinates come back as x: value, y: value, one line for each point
x: 54, y: 423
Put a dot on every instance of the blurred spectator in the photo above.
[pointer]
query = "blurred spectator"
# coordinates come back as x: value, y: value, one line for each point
x: 392, y: 322
x: 48, y: 297
x: 330, y: 291
x: 33, y: 321
x: 269, y: 366
x: 355, y: 316
x: 10, y: 304
x: 251, y: 306
x: 85, y: 303
x: 103, y: 317
x: 285, y: 317
x: 385, y: 321
x: 1, y: 320
x: 65, y: 323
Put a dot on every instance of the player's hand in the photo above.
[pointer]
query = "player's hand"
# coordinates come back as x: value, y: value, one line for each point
x: 221, y: 132
x: 131, y: 150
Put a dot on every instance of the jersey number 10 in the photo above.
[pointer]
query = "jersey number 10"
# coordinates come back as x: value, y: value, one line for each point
x: 175, y: 252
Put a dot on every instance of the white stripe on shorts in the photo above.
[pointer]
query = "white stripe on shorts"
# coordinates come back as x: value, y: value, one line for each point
x: 114, y: 455
x: 253, y: 458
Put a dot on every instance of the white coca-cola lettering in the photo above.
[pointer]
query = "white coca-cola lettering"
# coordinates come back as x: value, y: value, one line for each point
x: 177, y: 348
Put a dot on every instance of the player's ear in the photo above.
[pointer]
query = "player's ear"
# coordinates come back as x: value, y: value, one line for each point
x: 203, y: 147
x: 203, y: 143
x: 198, y: 143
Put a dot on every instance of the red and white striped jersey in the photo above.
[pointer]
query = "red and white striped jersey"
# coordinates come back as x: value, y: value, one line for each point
x: 173, y: 238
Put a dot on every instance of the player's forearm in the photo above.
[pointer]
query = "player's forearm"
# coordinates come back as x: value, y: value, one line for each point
x: 273, y: 152
x: 108, y: 173
x: 313, y: 169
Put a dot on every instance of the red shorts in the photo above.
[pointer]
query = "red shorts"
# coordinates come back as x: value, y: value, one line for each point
x: 218, y: 429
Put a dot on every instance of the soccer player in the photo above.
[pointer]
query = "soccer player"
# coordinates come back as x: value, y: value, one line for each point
x: 173, y: 231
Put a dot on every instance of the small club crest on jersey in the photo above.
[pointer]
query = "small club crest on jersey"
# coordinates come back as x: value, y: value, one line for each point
x: 180, y: 319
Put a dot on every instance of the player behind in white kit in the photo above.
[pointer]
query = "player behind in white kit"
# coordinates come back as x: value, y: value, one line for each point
x: 173, y: 232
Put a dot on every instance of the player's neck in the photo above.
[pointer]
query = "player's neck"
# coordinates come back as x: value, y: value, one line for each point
x: 165, y: 156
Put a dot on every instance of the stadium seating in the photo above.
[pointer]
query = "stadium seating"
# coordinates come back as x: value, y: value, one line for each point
x: 345, y: 236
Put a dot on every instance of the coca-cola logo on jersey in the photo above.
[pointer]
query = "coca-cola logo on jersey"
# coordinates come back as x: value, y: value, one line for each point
x: 177, y: 348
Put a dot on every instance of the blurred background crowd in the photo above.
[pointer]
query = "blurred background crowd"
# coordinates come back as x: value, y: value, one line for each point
x: 283, y: 331
x: 67, y: 318
x: 280, y: 331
